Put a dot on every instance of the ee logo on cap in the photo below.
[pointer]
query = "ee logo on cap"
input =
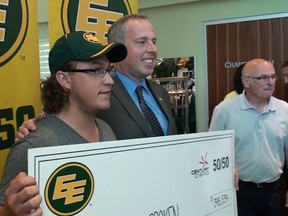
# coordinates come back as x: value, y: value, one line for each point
x: 69, y: 189
x: 93, y: 15
x: 13, y: 28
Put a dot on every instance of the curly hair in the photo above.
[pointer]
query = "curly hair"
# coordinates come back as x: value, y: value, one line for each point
x: 53, y: 95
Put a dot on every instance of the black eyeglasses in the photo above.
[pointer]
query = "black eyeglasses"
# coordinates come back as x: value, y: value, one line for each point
x: 263, y: 78
x: 99, y: 72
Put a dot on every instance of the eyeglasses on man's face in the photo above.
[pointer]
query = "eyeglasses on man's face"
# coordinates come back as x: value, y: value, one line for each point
x: 99, y: 72
x: 263, y: 78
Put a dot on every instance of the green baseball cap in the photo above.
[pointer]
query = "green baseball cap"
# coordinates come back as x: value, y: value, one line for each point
x: 83, y: 46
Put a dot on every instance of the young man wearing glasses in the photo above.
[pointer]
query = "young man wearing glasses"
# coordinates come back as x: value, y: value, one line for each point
x: 77, y: 90
x: 260, y: 122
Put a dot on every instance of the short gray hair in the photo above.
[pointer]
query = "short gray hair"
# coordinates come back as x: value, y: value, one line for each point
x: 117, y: 32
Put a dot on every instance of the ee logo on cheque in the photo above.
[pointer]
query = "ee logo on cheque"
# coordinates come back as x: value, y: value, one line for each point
x: 69, y: 189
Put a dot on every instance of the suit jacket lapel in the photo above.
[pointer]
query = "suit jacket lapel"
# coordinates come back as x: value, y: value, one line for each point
x: 166, y: 109
x: 164, y: 106
x: 124, y: 98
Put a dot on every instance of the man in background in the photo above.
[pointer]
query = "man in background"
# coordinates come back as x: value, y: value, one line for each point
x: 260, y: 122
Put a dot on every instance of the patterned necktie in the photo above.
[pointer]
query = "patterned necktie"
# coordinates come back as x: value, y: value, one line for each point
x: 149, y: 114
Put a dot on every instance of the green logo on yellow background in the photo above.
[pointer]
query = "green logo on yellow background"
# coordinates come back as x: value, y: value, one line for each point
x: 69, y: 189
x: 95, y: 16
x: 13, y: 28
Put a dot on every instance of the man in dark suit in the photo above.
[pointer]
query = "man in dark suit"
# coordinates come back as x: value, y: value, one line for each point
x: 124, y: 115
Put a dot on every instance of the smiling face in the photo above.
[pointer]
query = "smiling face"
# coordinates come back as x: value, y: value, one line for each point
x: 140, y: 41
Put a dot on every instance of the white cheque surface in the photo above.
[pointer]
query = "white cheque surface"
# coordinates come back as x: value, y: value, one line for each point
x: 180, y: 175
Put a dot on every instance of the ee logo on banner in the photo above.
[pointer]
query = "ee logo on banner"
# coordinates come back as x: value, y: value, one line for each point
x: 15, y: 15
x: 93, y: 16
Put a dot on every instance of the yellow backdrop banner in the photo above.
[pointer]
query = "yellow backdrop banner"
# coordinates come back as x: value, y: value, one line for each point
x: 19, y: 69
x: 95, y: 16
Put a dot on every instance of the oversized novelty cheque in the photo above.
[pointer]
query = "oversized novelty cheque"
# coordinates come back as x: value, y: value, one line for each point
x: 179, y: 175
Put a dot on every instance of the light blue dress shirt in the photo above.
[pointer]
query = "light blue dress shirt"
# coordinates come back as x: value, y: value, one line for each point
x: 131, y: 85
